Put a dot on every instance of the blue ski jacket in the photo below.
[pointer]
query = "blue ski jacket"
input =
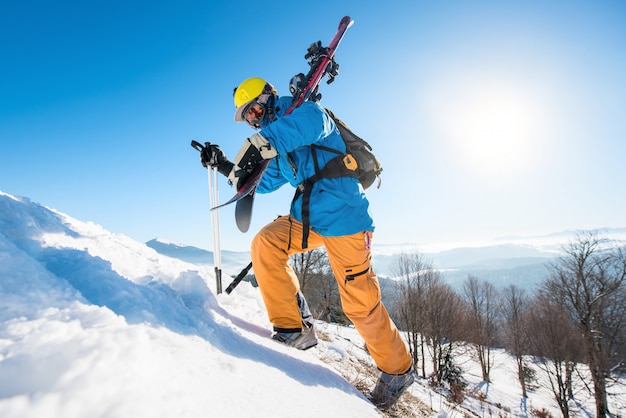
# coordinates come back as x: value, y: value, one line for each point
x: 338, y: 206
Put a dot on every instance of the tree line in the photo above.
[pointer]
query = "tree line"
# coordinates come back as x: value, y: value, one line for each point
x: 576, y: 316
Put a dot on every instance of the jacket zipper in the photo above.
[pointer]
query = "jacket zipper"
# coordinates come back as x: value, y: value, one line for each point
x: 293, y: 165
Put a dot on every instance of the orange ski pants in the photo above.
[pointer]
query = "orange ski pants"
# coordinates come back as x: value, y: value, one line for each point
x: 350, y: 261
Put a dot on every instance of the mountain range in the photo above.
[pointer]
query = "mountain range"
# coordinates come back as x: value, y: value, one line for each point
x: 522, y: 261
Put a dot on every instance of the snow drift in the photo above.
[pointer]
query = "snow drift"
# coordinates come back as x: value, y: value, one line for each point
x: 95, y: 324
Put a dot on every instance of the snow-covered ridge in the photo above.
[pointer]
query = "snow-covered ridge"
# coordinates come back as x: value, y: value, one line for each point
x: 96, y: 324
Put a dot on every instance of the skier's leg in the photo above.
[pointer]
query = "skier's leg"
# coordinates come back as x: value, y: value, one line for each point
x: 350, y: 260
x: 278, y: 283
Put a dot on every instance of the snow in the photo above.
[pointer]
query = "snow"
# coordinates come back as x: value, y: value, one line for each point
x: 94, y: 324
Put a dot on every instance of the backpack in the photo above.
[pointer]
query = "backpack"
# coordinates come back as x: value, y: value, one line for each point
x: 358, y: 161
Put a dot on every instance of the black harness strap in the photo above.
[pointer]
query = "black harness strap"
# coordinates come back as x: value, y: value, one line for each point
x: 333, y: 169
x: 305, y: 189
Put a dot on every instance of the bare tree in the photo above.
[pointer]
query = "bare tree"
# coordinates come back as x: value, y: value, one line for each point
x: 555, y: 342
x: 482, y: 299
x: 442, y: 326
x: 429, y: 311
x: 514, y: 312
x: 318, y: 285
x: 308, y: 266
x: 589, y: 280
x: 412, y: 273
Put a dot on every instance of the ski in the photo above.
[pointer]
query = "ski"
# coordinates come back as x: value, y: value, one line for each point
x: 303, y: 88
x: 243, y: 212
x: 249, y: 186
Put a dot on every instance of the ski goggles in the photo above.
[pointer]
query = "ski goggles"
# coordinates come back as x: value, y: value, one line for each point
x: 254, y: 113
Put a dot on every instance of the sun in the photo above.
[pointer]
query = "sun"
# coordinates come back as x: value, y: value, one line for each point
x: 491, y: 128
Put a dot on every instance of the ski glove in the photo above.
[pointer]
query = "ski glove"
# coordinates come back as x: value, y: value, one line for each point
x: 255, y: 149
x: 212, y: 156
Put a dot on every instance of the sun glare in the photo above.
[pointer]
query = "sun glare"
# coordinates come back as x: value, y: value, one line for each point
x: 491, y: 129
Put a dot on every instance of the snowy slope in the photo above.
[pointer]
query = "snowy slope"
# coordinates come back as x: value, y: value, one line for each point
x: 94, y: 324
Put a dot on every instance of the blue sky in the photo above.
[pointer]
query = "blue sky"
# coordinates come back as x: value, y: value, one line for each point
x: 490, y: 118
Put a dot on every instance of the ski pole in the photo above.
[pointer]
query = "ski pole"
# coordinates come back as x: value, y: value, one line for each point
x: 238, y: 279
x: 215, y: 228
x: 215, y: 218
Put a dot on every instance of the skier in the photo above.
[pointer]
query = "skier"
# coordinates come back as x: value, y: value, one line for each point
x: 339, y: 219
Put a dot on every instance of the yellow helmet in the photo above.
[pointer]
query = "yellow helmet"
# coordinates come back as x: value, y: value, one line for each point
x: 250, y: 90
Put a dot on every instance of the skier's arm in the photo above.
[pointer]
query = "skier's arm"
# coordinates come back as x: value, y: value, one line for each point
x: 306, y: 125
x: 254, y: 150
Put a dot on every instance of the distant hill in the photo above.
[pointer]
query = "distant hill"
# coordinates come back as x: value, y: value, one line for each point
x: 508, y: 260
x: 496, y: 256
x: 231, y: 260
x: 483, y: 257
x: 512, y: 260
x: 526, y: 277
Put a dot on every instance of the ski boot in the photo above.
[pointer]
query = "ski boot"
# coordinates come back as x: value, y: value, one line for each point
x: 389, y: 388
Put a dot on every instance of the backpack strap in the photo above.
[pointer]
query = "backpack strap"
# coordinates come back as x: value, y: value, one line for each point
x: 334, y: 168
